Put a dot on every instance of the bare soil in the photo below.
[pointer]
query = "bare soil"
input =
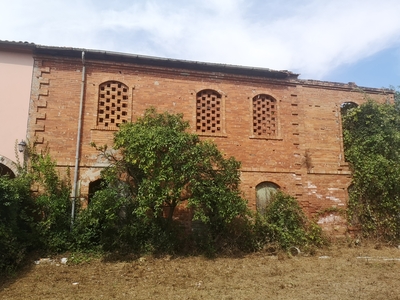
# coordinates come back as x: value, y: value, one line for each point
x: 337, y: 272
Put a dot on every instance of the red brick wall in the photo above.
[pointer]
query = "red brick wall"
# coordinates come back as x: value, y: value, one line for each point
x: 305, y: 159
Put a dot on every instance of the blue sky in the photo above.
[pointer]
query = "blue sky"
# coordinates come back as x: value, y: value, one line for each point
x: 335, y: 40
x: 379, y: 70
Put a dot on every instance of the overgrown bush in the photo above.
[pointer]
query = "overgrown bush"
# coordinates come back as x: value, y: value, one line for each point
x: 30, y: 220
x: 161, y: 166
x: 17, y: 235
x: 107, y: 223
x: 372, y: 147
x: 285, y: 224
x: 52, y: 201
x: 111, y: 222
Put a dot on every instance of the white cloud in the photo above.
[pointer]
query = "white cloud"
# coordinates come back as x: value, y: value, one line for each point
x: 342, y: 32
x: 310, y: 37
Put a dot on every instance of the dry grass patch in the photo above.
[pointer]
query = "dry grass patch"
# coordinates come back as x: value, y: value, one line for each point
x: 337, y: 272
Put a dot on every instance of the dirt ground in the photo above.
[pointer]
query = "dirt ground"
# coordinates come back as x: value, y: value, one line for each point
x: 337, y: 272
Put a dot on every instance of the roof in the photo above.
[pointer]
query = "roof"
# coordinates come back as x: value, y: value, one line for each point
x: 146, y: 60
x: 100, y: 55
x: 17, y: 46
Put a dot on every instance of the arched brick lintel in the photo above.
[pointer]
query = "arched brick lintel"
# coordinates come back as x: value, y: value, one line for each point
x: 9, y: 164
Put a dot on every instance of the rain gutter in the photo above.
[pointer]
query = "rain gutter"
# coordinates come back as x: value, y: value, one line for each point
x: 75, y: 190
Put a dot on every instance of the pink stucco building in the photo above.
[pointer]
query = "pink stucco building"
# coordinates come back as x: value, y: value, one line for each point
x: 16, y: 65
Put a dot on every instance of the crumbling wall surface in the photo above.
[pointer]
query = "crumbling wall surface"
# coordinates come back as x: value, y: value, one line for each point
x: 304, y: 156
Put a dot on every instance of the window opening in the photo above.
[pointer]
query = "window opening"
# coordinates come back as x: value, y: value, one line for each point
x: 208, y: 107
x: 264, y: 116
x: 112, y: 104
x: 346, y: 106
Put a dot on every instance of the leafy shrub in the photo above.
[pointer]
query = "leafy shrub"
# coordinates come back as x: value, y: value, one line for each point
x: 372, y: 142
x: 16, y: 233
x: 33, y: 220
x: 110, y: 223
x: 285, y: 224
x: 159, y: 167
x: 52, y: 202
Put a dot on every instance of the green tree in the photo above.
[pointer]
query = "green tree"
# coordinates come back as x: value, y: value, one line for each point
x: 372, y: 147
x: 160, y: 165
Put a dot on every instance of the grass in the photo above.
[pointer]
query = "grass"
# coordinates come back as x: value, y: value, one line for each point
x: 336, y: 272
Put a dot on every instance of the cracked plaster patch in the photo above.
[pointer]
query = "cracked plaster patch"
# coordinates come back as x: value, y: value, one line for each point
x: 332, y: 198
x: 330, y: 219
x: 90, y: 175
x: 311, y: 186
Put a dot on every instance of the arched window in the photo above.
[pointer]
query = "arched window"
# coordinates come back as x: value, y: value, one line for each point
x: 346, y: 106
x: 208, y: 112
x: 112, y: 105
x: 264, y: 193
x: 264, y: 116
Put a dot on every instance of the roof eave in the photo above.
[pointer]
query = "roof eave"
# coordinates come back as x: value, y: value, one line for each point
x: 164, y: 62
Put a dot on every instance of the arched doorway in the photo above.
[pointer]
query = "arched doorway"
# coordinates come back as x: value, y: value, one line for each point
x: 94, y: 186
x: 264, y: 193
x: 8, y: 167
x: 6, y: 171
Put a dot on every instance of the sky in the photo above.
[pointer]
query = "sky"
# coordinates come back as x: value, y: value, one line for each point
x: 333, y: 40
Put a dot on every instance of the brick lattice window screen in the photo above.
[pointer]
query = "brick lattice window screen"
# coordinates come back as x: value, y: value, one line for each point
x: 113, y: 104
x: 264, y: 116
x: 208, y: 112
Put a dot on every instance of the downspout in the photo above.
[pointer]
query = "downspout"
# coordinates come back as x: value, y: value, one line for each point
x: 78, y: 142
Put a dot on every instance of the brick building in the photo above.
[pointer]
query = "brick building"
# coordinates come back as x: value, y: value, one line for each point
x: 285, y: 131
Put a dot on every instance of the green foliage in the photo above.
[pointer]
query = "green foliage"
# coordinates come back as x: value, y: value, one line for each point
x: 372, y: 147
x: 396, y: 96
x: 170, y: 165
x: 162, y: 166
x: 52, y: 201
x: 108, y: 222
x: 33, y: 220
x: 15, y: 222
x: 83, y: 257
x: 156, y: 166
x: 285, y: 224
